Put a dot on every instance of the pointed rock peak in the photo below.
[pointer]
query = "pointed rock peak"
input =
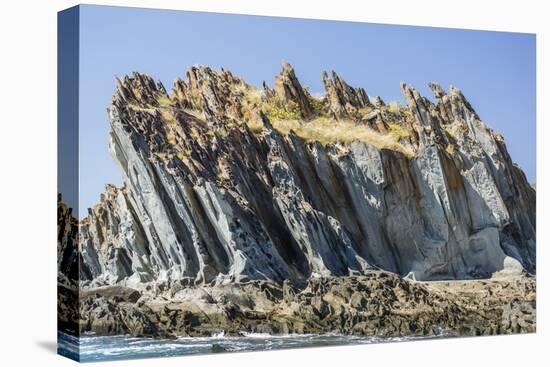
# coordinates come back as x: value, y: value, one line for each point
x: 139, y: 88
x: 287, y: 67
x: 145, y: 83
x: 411, y: 94
x: 341, y: 84
x: 437, y: 90
x: 160, y: 87
x: 287, y: 74
x: 410, y: 91
x: 407, y: 88
x: 403, y: 86
x: 197, y: 74
x: 205, y: 79
x: 343, y: 100
x: 379, y: 102
x: 289, y: 88
x: 456, y: 92
x: 457, y: 95
x: 337, y: 78
x: 180, y: 84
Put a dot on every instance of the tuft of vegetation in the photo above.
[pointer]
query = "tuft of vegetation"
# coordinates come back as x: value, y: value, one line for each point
x: 162, y: 156
x: 255, y: 126
x: 455, y: 130
x: 397, y: 112
x: 329, y: 131
x: 252, y: 96
x: 451, y: 133
x: 184, y: 153
x: 398, y: 131
x: 164, y: 101
x: 171, y: 137
x: 365, y: 110
x: 451, y: 148
x: 137, y: 107
x: 395, y: 107
x: 280, y: 109
x: 195, y: 103
x: 319, y: 105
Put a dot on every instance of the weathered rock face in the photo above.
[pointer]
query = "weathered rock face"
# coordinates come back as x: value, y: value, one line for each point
x: 376, y: 303
x: 211, y: 197
x: 67, y: 243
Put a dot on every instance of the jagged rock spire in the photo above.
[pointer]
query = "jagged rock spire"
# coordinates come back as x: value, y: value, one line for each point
x: 437, y: 90
x: 379, y: 102
x: 343, y: 100
x: 138, y: 88
x: 428, y: 122
x: 288, y: 87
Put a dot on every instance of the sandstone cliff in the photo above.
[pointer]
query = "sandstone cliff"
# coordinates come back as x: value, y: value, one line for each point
x: 226, y: 183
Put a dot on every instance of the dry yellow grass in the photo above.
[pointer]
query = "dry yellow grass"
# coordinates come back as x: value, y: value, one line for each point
x: 398, y: 130
x: 255, y: 125
x: 394, y: 107
x: 164, y: 101
x: 327, y: 131
x: 322, y: 129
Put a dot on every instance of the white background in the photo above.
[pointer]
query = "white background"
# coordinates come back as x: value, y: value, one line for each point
x: 28, y: 182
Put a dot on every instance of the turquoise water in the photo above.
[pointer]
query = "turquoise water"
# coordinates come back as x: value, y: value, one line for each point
x: 101, y: 348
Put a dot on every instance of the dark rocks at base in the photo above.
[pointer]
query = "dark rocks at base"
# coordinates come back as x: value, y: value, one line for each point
x: 376, y: 303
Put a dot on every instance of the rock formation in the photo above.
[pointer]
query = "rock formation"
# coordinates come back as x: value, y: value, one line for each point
x: 272, y: 210
x: 343, y: 100
x: 376, y: 303
x: 217, y: 192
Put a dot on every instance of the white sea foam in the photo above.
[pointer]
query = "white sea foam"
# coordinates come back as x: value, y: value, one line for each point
x: 97, y: 348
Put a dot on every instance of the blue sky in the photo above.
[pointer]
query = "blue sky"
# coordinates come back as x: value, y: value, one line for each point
x: 495, y: 70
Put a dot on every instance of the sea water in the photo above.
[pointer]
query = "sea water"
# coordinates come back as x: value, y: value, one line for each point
x: 101, y: 348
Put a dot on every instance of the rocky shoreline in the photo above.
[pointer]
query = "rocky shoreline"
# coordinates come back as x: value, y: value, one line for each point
x: 271, y: 210
x: 377, y: 303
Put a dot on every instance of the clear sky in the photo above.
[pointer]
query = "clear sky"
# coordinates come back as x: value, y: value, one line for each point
x: 495, y: 70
